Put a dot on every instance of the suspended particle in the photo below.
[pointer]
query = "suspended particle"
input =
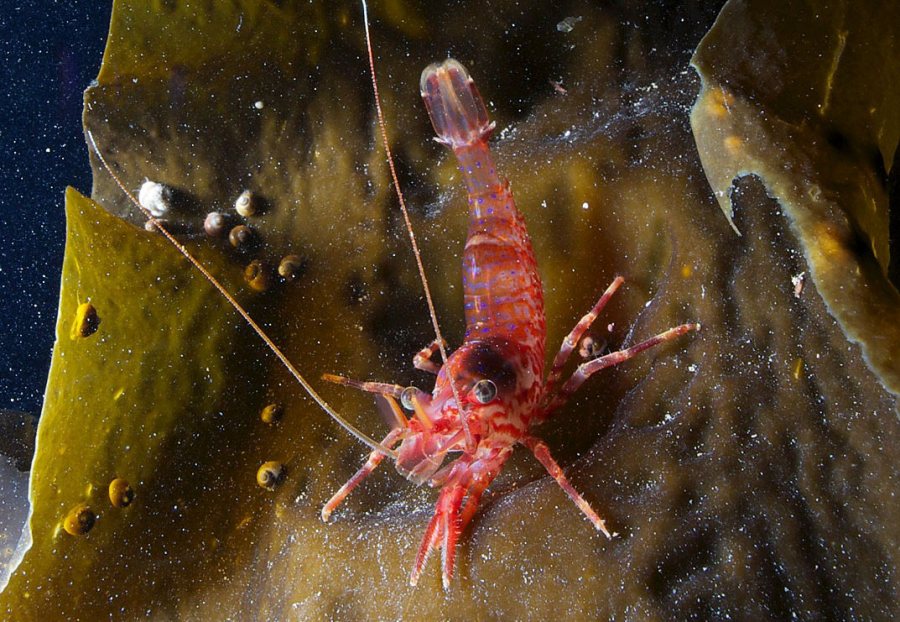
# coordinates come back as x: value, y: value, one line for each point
x: 291, y: 267
x: 798, y: 281
x: 270, y: 474
x: 215, y: 224
x: 121, y: 494
x: 156, y: 198
x: 258, y: 275
x: 568, y: 24
x: 86, y: 321
x: 79, y: 520
x: 272, y: 413
x: 247, y: 204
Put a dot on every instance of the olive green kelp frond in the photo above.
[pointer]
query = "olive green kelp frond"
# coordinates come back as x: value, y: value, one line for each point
x: 750, y: 471
x: 806, y: 97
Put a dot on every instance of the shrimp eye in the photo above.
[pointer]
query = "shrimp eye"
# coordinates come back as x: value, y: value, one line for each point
x: 406, y: 398
x: 484, y: 391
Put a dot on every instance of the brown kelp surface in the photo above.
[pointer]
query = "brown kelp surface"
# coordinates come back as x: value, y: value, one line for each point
x: 749, y: 470
x: 811, y: 109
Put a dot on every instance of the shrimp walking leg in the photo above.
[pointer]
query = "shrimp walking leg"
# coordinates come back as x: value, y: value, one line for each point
x: 586, y: 370
x: 475, y: 492
x: 371, y: 464
x: 572, y: 339
x: 542, y: 453
x: 442, y: 532
x: 422, y: 360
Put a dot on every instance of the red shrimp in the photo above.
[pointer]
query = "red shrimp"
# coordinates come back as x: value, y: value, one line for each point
x: 491, y: 391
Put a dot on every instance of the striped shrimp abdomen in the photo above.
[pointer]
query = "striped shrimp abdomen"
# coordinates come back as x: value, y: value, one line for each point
x: 501, y: 283
x: 502, y: 286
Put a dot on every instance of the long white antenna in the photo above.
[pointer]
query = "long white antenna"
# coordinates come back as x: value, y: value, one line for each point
x: 240, y: 309
x: 470, y: 443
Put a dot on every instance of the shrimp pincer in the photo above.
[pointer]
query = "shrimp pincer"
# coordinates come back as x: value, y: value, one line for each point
x: 492, y: 390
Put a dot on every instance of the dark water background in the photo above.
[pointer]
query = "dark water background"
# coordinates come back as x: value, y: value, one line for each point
x: 49, y: 52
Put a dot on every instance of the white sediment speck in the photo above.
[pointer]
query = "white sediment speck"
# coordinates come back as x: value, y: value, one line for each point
x: 798, y: 281
x: 259, y: 105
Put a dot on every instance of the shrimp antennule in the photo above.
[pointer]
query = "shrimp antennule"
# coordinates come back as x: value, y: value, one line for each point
x: 439, y: 338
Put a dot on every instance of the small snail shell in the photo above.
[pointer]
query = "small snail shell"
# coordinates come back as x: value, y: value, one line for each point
x: 270, y: 474
x: 151, y: 227
x: 291, y: 267
x: 79, y: 520
x: 155, y: 197
x: 242, y: 237
x: 247, y: 204
x: 258, y: 275
x: 121, y: 494
x: 271, y: 413
x: 86, y: 321
x: 589, y: 348
x: 215, y: 224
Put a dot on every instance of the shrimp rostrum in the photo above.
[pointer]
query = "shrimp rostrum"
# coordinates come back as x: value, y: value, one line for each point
x: 492, y: 390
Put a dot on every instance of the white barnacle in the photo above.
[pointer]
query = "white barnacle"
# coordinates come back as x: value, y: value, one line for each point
x: 155, y: 197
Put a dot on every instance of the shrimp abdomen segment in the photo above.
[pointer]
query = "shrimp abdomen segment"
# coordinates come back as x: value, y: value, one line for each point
x: 454, y: 104
x: 501, y: 283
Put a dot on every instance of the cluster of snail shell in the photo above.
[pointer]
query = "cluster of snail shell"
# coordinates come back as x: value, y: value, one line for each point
x: 244, y: 238
x: 158, y: 199
x: 81, y: 518
x: 258, y: 276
